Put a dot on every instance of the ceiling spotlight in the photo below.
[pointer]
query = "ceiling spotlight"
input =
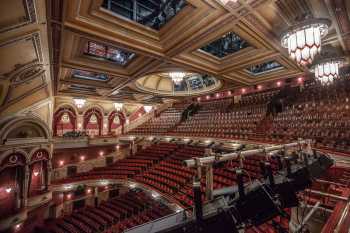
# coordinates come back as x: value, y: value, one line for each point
x: 177, y: 77
x: 79, y: 102
x: 303, y: 40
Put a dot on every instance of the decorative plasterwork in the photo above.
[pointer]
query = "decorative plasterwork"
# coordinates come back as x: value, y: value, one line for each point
x: 29, y: 17
x: 23, y: 76
x: 175, y: 46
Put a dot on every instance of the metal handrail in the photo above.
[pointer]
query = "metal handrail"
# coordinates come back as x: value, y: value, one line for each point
x: 235, y: 155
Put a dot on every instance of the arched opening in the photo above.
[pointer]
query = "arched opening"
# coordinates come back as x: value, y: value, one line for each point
x: 64, y: 120
x: 12, y: 174
x: 38, y: 173
x: 93, y: 122
x: 115, y: 120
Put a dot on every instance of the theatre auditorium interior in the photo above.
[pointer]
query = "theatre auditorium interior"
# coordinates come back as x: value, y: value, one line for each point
x: 175, y: 116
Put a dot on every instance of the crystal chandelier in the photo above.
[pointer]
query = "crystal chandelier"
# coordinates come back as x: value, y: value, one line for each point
x: 118, y: 106
x: 177, y: 77
x: 303, y: 40
x: 79, y: 102
x: 327, y: 70
x: 147, y: 108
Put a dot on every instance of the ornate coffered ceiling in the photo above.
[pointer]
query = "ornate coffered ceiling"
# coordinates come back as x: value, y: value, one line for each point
x: 122, y: 51
x: 25, y: 64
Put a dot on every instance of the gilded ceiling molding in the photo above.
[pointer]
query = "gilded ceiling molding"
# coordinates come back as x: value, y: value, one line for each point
x: 29, y: 18
x: 26, y: 73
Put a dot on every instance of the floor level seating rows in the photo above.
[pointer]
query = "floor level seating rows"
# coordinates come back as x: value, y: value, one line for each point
x: 115, y: 215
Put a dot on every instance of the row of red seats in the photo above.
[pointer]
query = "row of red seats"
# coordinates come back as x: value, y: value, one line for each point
x: 126, y: 168
x: 116, y: 212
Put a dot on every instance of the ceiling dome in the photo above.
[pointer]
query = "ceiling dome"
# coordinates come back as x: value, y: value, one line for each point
x: 191, y: 84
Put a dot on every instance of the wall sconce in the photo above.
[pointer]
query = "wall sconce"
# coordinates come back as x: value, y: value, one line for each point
x: 61, y: 162
x: 8, y: 189
x: 36, y: 173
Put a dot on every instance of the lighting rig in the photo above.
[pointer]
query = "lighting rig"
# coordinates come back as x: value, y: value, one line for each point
x: 236, y: 208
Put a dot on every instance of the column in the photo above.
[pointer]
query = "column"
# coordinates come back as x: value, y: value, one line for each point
x: 48, y: 174
x: 105, y: 125
x: 80, y: 121
x: 25, y: 186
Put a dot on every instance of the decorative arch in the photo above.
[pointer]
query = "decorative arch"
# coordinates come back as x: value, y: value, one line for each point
x: 94, y: 106
x: 111, y: 118
x: 89, y: 127
x: 24, y: 127
x: 38, y: 154
x: 13, y: 159
x: 12, y: 180
x: 38, y: 172
x: 60, y: 127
